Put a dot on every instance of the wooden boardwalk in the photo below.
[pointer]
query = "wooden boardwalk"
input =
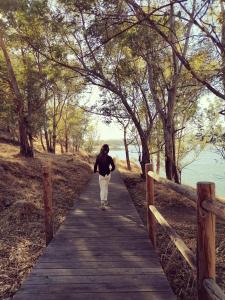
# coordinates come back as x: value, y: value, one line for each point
x: 99, y: 254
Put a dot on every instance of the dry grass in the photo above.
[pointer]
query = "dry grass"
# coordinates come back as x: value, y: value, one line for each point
x: 22, y: 237
x: 181, y: 214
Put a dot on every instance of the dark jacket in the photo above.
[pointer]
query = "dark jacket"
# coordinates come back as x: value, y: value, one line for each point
x: 103, y: 163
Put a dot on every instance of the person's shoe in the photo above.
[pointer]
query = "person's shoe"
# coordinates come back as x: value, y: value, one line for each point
x: 106, y: 203
x: 102, y: 207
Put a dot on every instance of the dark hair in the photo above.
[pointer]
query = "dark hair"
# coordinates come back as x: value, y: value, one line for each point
x: 104, y: 150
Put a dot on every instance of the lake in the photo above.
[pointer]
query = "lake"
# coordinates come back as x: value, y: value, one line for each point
x: 209, y: 166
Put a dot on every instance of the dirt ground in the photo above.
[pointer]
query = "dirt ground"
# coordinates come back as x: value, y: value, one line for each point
x: 180, y: 212
x: 22, y: 236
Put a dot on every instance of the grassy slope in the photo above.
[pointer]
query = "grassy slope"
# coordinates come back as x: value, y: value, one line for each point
x: 22, y: 237
x: 181, y: 214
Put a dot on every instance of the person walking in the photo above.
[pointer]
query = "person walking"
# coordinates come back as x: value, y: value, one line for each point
x: 102, y: 164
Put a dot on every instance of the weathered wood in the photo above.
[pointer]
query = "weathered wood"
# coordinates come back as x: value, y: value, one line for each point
x: 175, y: 238
x: 150, y: 201
x: 96, y: 235
x: 102, y: 229
x: 206, y: 253
x: 120, y: 285
x: 101, y: 271
x: 155, y: 282
x: 47, y: 196
x: 94, y: 246
x: 216, y: 207
x: 134, y: 295
x: 185, y: 190
x: 109, y: 258
x: 191, y: 193
x: 99, y: 255
x: 213, y: 290
x: 96, y: 264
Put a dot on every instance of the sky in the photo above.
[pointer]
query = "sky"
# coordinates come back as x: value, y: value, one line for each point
x: 105, y: 132
x: 113, y: 130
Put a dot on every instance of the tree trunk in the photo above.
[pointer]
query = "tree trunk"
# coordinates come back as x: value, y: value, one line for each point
x: 53, y: 141
x: 145, y: 158
x: 25, y: 148
x: 170, y: 165
x: 47, y: 140
x: 61, y: 146
x: 53, y: 138
x: 42, y: 142
x: 158, y: 162
x: 223, y: 41
x: 158, y: 151
x: 50, y: 141
x: 31, y: 141
x: 66, y: 141
x: 126, y: 149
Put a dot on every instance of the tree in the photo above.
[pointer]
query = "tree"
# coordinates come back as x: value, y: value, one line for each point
x: 207, y: 34
x: 25, y: 147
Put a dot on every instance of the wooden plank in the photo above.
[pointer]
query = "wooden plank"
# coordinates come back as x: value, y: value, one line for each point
x: 64, y: 239
x: 67, y: 252
x: 102, y: 233
x: 109, y: 248
x: 175, y: 238
x: 153, y: 262
x: 99, y: 296
x: 72, y: 259
x: 95, y: 247
x: 213, y: 290
x: 150, y: 201
x: 92, y: 223
x: 110, y: 211
x: 103, y: 230
x: 118, y: 243
x: 101, y: 271
x: 105, y: 216
x: 123, y: 285
x: 216, y: 207
x: 186, y: 190
x: 96, y: 235
x: 117, y: 280
x: 116, y: 225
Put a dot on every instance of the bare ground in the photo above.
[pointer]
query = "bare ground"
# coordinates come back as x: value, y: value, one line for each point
x: 22, y: 236
x: 180, y: 212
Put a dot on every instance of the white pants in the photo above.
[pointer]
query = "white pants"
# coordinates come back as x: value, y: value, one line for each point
x: 104, y: 186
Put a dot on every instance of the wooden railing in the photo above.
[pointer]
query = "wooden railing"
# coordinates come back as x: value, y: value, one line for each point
x: 47, y: 197
x: 208, y: 207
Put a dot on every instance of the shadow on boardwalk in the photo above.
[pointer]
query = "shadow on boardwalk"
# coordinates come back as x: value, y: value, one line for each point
x: 99, y: 254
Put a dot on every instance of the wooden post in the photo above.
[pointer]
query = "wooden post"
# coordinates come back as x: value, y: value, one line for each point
x: 47, y: 183
x: 150, y: 201
x: 206, y: 253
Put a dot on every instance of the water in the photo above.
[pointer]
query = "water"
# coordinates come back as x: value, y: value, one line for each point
x: 209, y: 166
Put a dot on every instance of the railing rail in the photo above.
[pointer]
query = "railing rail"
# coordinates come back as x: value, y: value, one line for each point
x: 187, y: 254
x: 208, y: 207
x: 217, y: 206
x: 48, y: 204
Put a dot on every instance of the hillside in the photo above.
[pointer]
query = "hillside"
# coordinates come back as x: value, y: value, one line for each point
x: 22, y: 237
x: 180, y: 212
